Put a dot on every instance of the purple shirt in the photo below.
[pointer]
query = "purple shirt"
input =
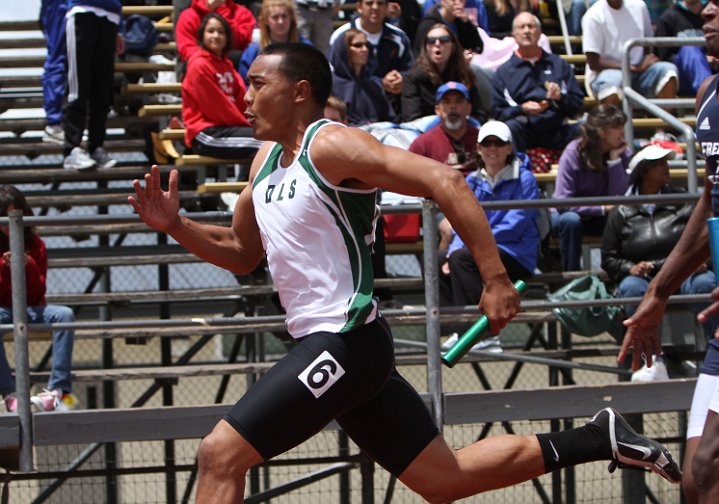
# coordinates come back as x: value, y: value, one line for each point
x: 574, y: 180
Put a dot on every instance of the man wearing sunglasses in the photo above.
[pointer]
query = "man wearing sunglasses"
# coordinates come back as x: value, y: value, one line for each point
x: 390, y: 52
x: 535, y: 92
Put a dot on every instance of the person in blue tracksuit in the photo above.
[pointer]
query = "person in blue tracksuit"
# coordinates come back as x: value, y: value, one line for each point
x: 54, y: 77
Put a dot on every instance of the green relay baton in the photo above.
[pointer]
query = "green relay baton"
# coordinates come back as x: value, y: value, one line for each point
x: 474, y: 334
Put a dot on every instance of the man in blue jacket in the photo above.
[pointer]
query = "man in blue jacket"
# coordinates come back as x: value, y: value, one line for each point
x: 535, y: 92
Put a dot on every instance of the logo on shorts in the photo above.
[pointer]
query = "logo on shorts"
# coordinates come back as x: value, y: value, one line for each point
x: 321, y: 374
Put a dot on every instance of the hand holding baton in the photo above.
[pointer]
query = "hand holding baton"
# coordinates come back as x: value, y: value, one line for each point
x: 474, y: 334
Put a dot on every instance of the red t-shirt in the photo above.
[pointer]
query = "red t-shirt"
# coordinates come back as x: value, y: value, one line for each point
x: 35, y: 276
x: 438, y: 145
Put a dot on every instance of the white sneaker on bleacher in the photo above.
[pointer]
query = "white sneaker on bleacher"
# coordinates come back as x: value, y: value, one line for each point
x: 78, y: 159
x: 53, y: 134
x: 657, y: 372
x: 491, y: 344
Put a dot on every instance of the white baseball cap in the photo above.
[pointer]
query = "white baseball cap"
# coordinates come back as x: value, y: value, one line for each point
x: 494, y: 128
x: 651, y: 152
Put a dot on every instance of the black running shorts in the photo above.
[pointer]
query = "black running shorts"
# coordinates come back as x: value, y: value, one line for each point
x: 349, y: 377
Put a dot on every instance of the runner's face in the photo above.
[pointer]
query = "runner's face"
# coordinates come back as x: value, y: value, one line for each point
x: 711, y: 27
x: 269, y: 98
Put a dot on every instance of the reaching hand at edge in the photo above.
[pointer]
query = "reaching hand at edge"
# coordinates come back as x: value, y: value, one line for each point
x: 643, y: 333
x: 156, y: 207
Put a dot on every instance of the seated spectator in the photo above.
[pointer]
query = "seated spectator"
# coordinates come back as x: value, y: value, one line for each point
x: 501, y: 14
x: 474, y: 9
x: 277, y: 23
x: 594, y: 164
x: 606, y: 26
x: 58, y: 395
x: 391, y: 53
x: 453, y: 142
x: 408, y: 17
x: 574, y: 11
x: 638, y: 238
x: 683, y: 19
x: 535, y: 92
x: 336, y: 110
x: 440, y: 60
x: 452, y: 13
x: 213, y: 93
x: 352, y: 82
x: 240, y: 20
x: 502, y: 175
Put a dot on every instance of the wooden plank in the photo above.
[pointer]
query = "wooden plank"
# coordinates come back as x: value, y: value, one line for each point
x: 675, y: 173
x: 147, y: 10
x: 221, y: 187
x: 575, y: 401
x: 154, y: 87
x: 143, y: 66
x: 172, y: 134
x: 23, y: 43
x: 159, y: 110
x: 38, y: 124
x: 575, y: 59
x: 196, y: 160
x: 52, y: 175
x: 559, y: 39
x: 20, y: 25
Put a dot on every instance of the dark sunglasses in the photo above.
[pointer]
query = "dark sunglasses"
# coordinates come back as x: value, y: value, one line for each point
x: 490, y: 143
x: 442, y: 39
x: 359, y: 45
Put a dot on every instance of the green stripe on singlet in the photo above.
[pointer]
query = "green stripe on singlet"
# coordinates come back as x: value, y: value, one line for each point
x: 269, y: 165
x: 353, y: 214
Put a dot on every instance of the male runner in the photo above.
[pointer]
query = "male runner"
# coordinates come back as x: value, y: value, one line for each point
x: 701, y: 481
x: 311, y: 209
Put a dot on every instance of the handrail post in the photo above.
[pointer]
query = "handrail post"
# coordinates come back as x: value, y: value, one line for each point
x: 22, y: 359
x: 563, y: 26
x: 431, y: 292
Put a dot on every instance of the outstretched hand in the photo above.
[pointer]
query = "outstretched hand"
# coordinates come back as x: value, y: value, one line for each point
x: 157, y: 208
x: 643, y: 333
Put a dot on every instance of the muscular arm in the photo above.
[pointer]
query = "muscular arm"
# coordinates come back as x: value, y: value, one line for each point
x: 351, y: 157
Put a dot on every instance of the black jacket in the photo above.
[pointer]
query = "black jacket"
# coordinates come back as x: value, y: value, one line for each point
x: 632, y: 235
x: 419, y: 93
x: 466, y: 31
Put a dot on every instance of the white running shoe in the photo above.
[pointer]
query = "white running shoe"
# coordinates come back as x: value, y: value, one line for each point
x: 78, y: 160
x: 53, y: 134
x: 491, y: 344
x: 657, y: 372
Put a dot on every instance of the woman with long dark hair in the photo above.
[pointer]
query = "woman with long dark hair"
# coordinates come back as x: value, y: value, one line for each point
x: 594, y: 164
x: 58, y: 394
x: 440, y: 60
x: 213, y: 97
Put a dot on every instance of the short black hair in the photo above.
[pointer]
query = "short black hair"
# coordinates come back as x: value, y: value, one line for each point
x: 304, y: 62
x: 225, y: 24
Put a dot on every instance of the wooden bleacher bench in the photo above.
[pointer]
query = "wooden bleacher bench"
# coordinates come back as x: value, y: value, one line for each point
x: 172, y: 134
x: 559, y: 39
x: 675, y: 173
x: 221, y: 187
x: 143, y: 66
x: 51, y: 175
x: 197, y: 160
x: 160, y: 110
x: 147, y: 10
x: 154, y: 87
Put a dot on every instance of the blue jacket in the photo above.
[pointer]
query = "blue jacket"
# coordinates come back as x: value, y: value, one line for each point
x: 364, y: 95
x: 515, y: 231
x: 114, y: 6
x: 394, y: 51
x: 517, y: 81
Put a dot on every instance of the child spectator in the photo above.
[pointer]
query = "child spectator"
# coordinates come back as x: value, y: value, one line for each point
x: 213, y: 93
x: 58, y: 395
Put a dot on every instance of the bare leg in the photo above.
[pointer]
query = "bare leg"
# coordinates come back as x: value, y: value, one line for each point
x: 705, y: 468
x: 669, y: 90
x: 440, y: 474
x: 224, y: 458
x: 688, y: 484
